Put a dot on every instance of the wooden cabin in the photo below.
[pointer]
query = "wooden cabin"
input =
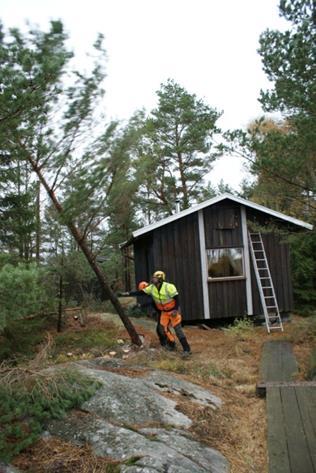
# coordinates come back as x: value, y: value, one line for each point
x: 204, y: 251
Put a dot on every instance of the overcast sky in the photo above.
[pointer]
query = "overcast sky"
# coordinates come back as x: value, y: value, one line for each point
x: 208, y: 46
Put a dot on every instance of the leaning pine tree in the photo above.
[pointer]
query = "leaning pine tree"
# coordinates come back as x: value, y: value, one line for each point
x: 47, y: 112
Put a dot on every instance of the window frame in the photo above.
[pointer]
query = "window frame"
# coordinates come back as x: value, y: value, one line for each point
x: 227, y: 278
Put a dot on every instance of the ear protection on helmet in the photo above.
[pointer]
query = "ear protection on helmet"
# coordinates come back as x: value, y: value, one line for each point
x: 142, y: 285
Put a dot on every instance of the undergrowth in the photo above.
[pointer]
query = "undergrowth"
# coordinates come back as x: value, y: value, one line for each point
x: 243, y: 328
x: 97, y: 339
x: 21, y: 337
x: 312, y: 370
x: 28, y: 399
x: 174, y: 363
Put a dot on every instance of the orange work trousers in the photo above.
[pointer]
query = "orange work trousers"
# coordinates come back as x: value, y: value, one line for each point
x: 167, y: 319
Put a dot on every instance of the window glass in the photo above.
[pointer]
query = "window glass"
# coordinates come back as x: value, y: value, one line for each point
x: 225, y: 262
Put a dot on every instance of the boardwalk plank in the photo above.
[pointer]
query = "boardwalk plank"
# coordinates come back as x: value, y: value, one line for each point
x: 298, y: 448
x: 277, y: 446
x: 306, y: 397
x: 278, y: 362
x: 288, y: 363
x: 291, y: 412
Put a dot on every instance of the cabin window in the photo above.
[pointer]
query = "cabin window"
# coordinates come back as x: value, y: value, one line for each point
x: 225, y: 263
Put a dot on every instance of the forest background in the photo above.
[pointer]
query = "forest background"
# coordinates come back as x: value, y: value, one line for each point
x: 74, y: 186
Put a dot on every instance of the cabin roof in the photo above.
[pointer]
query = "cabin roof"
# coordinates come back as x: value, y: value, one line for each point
x: 215, y: 200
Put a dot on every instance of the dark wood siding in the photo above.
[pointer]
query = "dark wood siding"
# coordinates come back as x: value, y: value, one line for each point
x: 222, y: 223
x: 227, y: 299
x: 143, y: 255
x: 278, y: 256
x: 176, y: 250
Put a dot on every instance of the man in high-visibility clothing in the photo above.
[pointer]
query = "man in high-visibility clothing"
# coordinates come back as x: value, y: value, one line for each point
x: 166, y: 299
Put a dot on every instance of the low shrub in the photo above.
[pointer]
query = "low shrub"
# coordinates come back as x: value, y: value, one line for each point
x: 21, y: 338
x: 241, y: 328
x: 28, y: 399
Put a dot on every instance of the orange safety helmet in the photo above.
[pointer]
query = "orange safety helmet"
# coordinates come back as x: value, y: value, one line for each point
x: 142, y: 285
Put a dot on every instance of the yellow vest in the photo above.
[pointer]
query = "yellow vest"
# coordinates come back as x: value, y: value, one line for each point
x: 163, y: 298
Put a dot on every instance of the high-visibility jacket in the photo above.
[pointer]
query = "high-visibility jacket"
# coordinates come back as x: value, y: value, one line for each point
x: 163, y: 297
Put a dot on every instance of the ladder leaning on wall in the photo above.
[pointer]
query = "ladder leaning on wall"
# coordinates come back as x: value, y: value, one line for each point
x: 265, y: 283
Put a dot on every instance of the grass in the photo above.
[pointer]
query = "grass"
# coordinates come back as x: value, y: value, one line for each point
x: 312, y: 370
x: 28, y: 399
x: 67, y: 458
x: 305, y: 330
x: 24, y: 338
x: 169, y: 361
x: 224, y: 361
x: 241, y: 328
x: 30, y: 396
x: 82, y: 341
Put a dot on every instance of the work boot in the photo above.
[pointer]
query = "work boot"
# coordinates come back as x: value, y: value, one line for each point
x: 186, y: 354
x: 170, y: 346
x: 185, y: 345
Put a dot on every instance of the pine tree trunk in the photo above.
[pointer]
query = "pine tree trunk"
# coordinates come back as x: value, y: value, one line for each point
x: 80, y: 240
x: 38, y: 224
x: 60, y: 303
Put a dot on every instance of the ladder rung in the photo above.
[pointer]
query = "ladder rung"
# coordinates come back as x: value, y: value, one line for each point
x: 272, y: 315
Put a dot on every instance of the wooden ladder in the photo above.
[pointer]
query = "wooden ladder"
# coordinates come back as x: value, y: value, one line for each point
x: 265, y: 283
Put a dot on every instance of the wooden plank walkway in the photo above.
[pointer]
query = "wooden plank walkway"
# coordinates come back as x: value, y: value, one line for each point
x: 278, y: 362
x: 291, y: 415
x: 291, y: 412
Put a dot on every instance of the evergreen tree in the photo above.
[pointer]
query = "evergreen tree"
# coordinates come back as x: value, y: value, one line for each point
x: 282, y: 155
x: 176, y: 149
x: 45, y: 120
x: 17, y: 208
x: 289, y: 60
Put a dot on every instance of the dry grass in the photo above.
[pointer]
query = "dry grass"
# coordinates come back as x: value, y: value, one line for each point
x: 53, y: 455
x: 226, y: 362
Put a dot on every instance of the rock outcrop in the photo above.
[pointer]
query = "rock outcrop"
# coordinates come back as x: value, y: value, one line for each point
x: 130, y: 420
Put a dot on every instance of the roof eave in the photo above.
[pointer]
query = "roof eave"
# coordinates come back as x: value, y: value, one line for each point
x: 214, y: 200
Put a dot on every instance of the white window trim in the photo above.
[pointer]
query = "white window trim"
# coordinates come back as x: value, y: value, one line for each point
x: 227, y: 278
x: 206, y: 300
x: 244, y: 230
